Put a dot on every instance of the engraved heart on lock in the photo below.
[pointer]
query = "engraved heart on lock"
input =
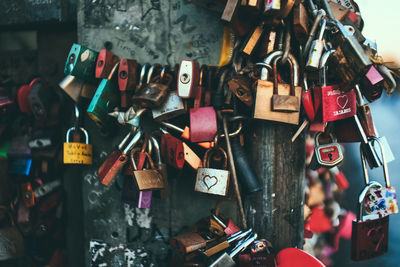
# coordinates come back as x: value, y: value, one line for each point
x: 208, y: 181
x: 342, y: 101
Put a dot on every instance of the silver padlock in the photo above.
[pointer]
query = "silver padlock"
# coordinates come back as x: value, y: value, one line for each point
x: 171, y: 108
x: 327, y: 155
x: 316, y: 49
x: 210, y: 180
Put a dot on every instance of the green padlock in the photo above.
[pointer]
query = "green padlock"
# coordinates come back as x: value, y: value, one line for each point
x: 4, y: 146
x: 104, y: 100
x: 81, y: 62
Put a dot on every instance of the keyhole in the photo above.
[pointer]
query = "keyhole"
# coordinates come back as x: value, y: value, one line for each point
x: 185, y: 78
x: 330, y: 156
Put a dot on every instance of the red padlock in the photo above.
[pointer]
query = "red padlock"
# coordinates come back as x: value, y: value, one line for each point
x: 105, y: 62
x: 370, y: 234
x: 306, y: 100
x: 27, y: 194
x: 319, y: 222
x: 172, y: 151
x: 22, y: 97
x: 128, y: 77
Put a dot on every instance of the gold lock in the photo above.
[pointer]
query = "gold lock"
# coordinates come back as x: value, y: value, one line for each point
x: 75, y: 152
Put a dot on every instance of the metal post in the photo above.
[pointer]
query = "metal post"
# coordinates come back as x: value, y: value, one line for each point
x: 276, y: 213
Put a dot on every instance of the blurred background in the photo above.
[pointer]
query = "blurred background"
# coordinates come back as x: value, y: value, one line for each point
x: 381, y: 23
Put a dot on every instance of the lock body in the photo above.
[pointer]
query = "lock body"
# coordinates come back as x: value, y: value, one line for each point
x: 151, y: 95
x: 76, y: 152
x: 212, y: 181
x: 188, y: 78
x: 105, y: 62
x: 128, y: 77
x: 104, y: 101
x: 172, y: 151
x: 203, y: 124
x: 171, y: 108
x: 81, y: 62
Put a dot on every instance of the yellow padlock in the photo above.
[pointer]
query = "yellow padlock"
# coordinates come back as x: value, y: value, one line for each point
x: 77, y: 153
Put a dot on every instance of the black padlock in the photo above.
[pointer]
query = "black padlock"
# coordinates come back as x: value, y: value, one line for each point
x: 41, y: 98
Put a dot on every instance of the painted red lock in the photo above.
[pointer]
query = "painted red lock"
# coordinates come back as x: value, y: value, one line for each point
x: 105, y: 62
x: 370, y: 234
x: 172, y: 151
x: 128, y: 78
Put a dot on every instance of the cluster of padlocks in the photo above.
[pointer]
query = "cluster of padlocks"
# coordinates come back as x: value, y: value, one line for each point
x: 328, y: 66
x: 294, y: 62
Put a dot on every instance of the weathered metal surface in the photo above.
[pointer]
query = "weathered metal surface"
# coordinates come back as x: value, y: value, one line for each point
x: 276, y: 213
x: 26, y: 11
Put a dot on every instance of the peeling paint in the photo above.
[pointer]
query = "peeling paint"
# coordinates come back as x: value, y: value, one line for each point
x: 143, y: 218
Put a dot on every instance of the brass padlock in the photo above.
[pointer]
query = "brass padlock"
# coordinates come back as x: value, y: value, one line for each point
x: 210, y: 180
x: 155, y: 91
x: 75, y: 152
x: 150, y: 179
x: 286, y: 103
x: 75, y: 88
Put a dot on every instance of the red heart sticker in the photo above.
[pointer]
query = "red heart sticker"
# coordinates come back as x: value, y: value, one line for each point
x: 294, y: 257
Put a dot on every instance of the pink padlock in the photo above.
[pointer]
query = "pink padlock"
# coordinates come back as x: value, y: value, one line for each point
x: 203, y: 124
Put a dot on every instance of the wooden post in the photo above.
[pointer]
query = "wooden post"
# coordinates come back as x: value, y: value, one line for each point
x: 276, y: 213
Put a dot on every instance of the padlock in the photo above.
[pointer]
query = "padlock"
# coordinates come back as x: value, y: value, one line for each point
x: 171, y: 108
x: 41, y: 97
x: 161, y: 166
x: 264, y: 95
x: 203, y: 124
x: 131, y: 193
x: 27, y: 194
x: 23, y: 100
x: 372, y: 84
x: 154, y: 93
x: 284, y: 103
x: 188, y: 78
x: 380, y: 200
x: 240, y: 85
x: 42, y: 138
x: 211, y: 180
x: 21, y: 166
x: 253, y: 39
x: 316, y: 49
x: 116, y: 160
x: 185, y: 133
x: 46, y: 189
x: 104, y: 100
x: 350, y: 49
x: 75, y: 88
x: 128, y: 77
x: 226, y: 260
x: 331, y: 103
x: 106, y: 60
x: 188, y: 242
x: 76, y: 152
x: 296, y: 257
x: 300, y: 23
x: 326, y: 156
x: 359, y: 127
x: 81, y: 62
x: 370, y: 234
x: 149, y: 179
x: 19, y: 147
x: 172, y: 151
x: 230, y: 10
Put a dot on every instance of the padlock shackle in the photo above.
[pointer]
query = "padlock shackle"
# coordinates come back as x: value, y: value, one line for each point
x: 156, y: 147
x: 133, y: 142
x: 322, y: 30
x: 269, y: 60
x: 143, y: 74
x: 292, y: 91
x: 207, y: 155
x: 384, y: 162
x: 322, y: 66
x: 74, y: 129
x: 132, y: 157
x: 362, y: 195
x: 317, y: 135
x: 319, y: 15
